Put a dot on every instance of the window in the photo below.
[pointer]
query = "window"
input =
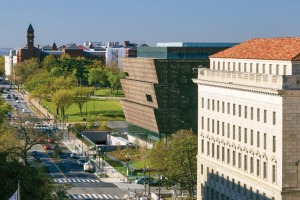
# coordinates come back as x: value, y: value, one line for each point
x: 233, y: 109
x: 202, y: 102
x: 274, y: 118
x: 213, y: 126
x: 274, y: 173
x: 245, y: 112
x: 213, y: 150
x: 265, y: 116
x: 251, y: 137
x: 208, y: 149
x: 208, y: 104
x: 258, y: 139
x: 277, y: 69
x: 228, y: 108
x: 257, y: 194
x: 274, y: 144
x: 251, y: 193
x: 233, y: 158
x: 258, y: 114
x: 218, y: 65
x: 213, y: 104
x: 228, y: 156
x: 223, y: 154
x: 264, y: 69
x: 149, y: 98
x: 239, y: 67
x: 257, y: 167
x: 201, y: 169
x: 265, y: 170
x: 228, y: 65
x: 223, y: 107
x: 127, y: 74
x: 218, y: 106
x: 270, y: 69
x: 233, y: 132
x: 223, y: 128
x: 251, y: 165
x: 240, y: 110
x: 245, y: 135
x: 218, y: 127
x: 251, y: 68
x: 233, y: 66
x: 284, y: 69
x: 239, y: 160
x: 218, y: 152
x: 202, y: 146
x: 239, y: 187
x: 257, y: 69
x: 251, y: 113
x: 245, y: 189
x: 228, y: 130
x: 245, y: 163
x: 265, y: 141
x: 213, y: 64
x: 245, y: 67
x: 208, y: 124
x: 233, y: 184
x: 223, y: 65
x: 240, y: 133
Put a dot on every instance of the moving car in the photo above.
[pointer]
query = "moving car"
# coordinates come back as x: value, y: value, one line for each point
x: 142, y: 180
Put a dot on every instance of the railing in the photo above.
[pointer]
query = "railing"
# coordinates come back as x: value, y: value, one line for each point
x: 251, y: 79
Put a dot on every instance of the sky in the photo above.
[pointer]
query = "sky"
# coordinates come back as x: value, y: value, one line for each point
x: 146, y: 21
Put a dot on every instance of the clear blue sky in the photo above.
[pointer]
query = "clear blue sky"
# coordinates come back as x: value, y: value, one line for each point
x: 149, y: 21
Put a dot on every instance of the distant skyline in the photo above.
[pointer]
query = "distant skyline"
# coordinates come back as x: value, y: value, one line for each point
x: 77, y: 21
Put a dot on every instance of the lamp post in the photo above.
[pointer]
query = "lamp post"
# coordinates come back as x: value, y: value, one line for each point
x: 82, y: 144
x: 128, y: 158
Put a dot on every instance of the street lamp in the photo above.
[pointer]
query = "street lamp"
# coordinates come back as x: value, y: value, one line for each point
x: 82, y: 144
x: 128, y: 158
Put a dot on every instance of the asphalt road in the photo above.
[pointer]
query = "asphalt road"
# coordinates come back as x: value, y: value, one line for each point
x: 64, y: 169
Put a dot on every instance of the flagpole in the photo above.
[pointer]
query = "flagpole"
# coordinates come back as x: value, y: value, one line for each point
x: 18, y: 195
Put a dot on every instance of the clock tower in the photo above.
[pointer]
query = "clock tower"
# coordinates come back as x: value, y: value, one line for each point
x: 30, y: 37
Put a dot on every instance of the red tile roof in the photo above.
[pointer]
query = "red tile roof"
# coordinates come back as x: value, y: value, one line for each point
x: 264, y: 49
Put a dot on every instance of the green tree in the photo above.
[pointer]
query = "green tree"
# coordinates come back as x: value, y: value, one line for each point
x: 80, y: 96
x: 96, y: 76
x: 2, y: 66
x: 50, y: 62
x: 176, y: 159
x: 114, y: 78
x: 24, y: 69
x: 62, y: 99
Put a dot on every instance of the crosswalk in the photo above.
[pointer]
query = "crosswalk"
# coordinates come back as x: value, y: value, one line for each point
x: 93, y: 196
x: 71, y: 180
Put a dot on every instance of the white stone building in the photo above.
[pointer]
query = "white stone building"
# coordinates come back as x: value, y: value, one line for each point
x: 249, y: 122
x: 10, y: 61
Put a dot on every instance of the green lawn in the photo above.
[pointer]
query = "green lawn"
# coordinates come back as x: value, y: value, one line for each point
x: 97, y: 110
x: 106, y: 92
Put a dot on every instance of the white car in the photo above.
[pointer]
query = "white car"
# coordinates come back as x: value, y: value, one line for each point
x: 73, y: 155
x: 19, y: 101
x: 25, y: 110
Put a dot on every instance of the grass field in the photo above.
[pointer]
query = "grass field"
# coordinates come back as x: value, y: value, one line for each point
x: 106, y: 92
x: 97, y: 109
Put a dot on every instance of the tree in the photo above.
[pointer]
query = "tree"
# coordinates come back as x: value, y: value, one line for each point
x: 96, y: 76
x: 50, y: 62
x: 2, y: 66
x: 176, y: 159
x: 24, y: 69
x: 81, y: 96
x: 114, y: 77
x: 62, y: 99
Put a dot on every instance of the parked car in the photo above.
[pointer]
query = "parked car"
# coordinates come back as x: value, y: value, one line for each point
x: 142, y: 180
x: 19, y: 101
x: 8, y: 96
x: 73, y: 155
x: 48, y: 147
x: 156, y: 183
x: 25, y: 110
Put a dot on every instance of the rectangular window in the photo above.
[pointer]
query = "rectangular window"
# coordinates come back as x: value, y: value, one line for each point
x: 202, y: 123
x: 223, y: 128
x: 223, y: 65
x: 202, y: 102
x: 251, y: 165
x: 201, y: 169
x: 228, y: 156
x: 240, y: 67
x: 258, y: 139
x: 274, y: 173
x: 251, y: 113
x: 251, y: 193
x: 223, y: 154
x: 257, y: 194
x: 239, y: 160
x: 270, y: 69
x: 245, y: 112
x: 149, y: 98
x: 202, y: 146
x: 228, y: 108
x: 277, y: 69
x: 208, y: 125
x: 240, y: 110
x: 251, y: 70
x: 208, y: 104
x: 214, y: 65
x: 245, y: 163
x: 208, y: 149
x: 265, y: 116
x: 245, y: 189
x: 233, y: 66
x: 258, y: 114
x: 228, y: 130
x: 218, y: 106
x: 245, y: 135
x: 218, y: 65
x: 233, y: 184
x: 233, y: 132
x: 251, y: 137
x: 213, y: 104
x: 274, y: 118
x: 233, y: 109
x: 233, y: 158
x: 228, y: 64
x: 218, y: 152
x: 218, y: 127
x: 239, y: 187
x: 265, y: 170
x: 257, y: 167
x: 265, y: 141
x: 257, y: 68
x: 213, y: 126
x: 284, y: 69
x: 240, y: 133
x: 213, y: 150
x: 223, y: 107
x: 264, y: 69
x: 274, y: 144
x: 245, y: 67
